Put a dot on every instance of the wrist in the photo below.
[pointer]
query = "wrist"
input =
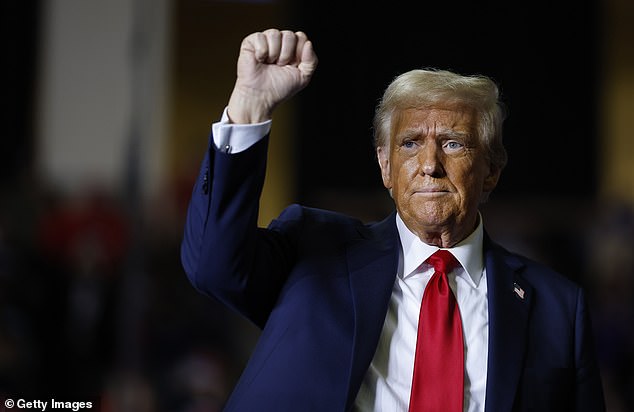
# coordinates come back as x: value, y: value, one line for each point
x: 245, y: 109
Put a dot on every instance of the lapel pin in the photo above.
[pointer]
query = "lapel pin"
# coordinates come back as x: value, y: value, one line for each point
x: 518, y: 291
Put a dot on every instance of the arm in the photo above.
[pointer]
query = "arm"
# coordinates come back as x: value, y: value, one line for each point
x: 223, y: 252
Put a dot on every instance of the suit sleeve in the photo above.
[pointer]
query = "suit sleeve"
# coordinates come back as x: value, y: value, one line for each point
x: 589, y: 392
x: 223, y: 252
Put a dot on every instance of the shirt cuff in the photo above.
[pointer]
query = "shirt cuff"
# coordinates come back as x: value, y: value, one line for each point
x: 235, y: 138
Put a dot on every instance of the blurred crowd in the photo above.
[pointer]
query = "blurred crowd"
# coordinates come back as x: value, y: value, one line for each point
x: 89, y: 311
x: 610, y: 265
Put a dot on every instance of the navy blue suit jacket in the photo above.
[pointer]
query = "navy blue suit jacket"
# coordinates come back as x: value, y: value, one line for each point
x: 318, y: 284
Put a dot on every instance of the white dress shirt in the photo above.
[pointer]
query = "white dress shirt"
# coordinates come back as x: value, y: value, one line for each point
x: 388, y: 382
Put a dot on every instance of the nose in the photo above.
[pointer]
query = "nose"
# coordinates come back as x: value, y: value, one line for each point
x: 430, y: 160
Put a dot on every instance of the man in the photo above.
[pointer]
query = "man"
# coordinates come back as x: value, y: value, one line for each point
x: 345, y: 307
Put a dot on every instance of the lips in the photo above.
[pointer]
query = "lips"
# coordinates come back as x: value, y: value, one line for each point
x: 431, y: 190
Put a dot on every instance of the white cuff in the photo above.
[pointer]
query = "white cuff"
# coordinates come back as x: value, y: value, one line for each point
x: 235, y: 138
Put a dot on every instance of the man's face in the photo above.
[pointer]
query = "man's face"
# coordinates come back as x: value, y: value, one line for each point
x: 437, y: 171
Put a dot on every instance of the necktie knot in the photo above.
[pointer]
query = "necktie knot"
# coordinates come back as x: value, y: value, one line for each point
x: 443, y: 261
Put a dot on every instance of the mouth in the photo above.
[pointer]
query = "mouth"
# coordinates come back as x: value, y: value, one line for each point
x: 431, y: 191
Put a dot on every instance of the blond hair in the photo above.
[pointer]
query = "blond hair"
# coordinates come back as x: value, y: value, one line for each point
x: 423, y: 88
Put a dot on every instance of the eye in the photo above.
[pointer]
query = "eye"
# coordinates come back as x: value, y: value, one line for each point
x: 408, y: 144
x: 453, y: 145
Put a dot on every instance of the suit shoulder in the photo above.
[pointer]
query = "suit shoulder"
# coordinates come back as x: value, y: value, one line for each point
x: 310, y: 216
x: 313, y: 230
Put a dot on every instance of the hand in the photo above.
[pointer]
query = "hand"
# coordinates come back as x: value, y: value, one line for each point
x: 272, y: 67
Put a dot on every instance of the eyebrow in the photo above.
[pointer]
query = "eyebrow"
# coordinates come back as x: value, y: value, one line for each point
x: 443, y: 132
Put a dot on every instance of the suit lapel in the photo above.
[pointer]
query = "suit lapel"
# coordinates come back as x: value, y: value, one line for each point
x: 372, y: 264
x: 510, y: 298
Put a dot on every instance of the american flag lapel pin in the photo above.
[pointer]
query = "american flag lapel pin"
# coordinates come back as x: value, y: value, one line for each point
x: 517, y: 289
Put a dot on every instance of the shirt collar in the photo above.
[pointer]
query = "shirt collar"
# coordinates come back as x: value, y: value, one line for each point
x: 468, y: 252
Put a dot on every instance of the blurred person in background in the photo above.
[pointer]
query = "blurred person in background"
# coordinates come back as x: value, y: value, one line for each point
x: 422, y: 311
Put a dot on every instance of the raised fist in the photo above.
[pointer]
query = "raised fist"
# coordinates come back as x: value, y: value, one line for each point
x: 272, y: 67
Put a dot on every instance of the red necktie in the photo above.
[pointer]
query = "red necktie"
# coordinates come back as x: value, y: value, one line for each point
x: 438, y: 382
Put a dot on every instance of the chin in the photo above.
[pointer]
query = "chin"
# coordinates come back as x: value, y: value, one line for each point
x: 433, y: 213
x: 431, y: 220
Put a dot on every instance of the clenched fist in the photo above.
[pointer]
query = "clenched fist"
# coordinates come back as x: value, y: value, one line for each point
x: 272, y: 67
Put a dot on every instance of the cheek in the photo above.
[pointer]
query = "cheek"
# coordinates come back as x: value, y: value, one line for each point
x: 470, y: 183
x: 408, y: 166
x: 404, y: 173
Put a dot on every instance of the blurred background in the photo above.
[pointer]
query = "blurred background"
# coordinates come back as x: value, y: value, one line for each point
x: 106, y: 108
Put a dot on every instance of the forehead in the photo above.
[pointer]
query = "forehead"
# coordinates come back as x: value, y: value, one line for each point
x: 457, y: 118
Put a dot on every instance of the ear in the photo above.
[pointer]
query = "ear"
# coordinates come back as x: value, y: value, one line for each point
x: 383, y: 157
x: 492, y: 179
